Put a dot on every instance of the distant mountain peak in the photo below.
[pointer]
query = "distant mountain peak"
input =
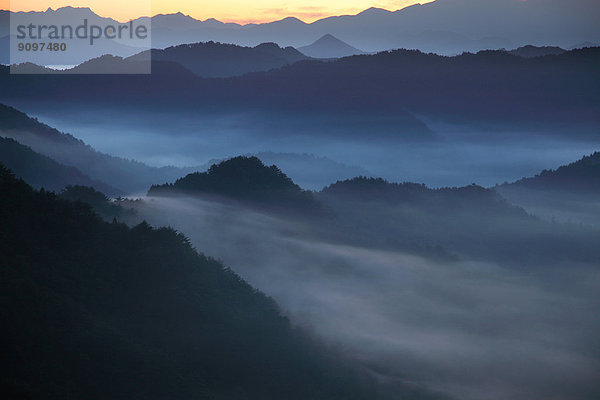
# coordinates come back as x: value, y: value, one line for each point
x: 287, y: 21
x: 328, y: 46
x: 178, y: 16
x: 328, y: 37
x: 375, y: 11
x: 213, y: 21
x: 71, y: 8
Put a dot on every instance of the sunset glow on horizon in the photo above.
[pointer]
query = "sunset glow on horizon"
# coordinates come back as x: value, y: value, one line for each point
x: 243, y: 12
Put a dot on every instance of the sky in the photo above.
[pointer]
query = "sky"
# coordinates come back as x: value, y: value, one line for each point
x: 223, y: 10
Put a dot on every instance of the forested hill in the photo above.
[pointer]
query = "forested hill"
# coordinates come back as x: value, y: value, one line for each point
x: 579, y: 177
x: 470, y: 198
x: 245, y: 179
x: 93, y: 310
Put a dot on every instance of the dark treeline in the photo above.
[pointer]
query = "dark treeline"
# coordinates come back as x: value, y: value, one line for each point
x: 97, y: 310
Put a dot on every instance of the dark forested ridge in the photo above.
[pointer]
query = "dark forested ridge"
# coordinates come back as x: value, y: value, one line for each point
x: 13, y: 120
x: 579, y: 177
x: 568, y: 193
x: 125, y: 175
x: 220, y: 60
x: 379, y: 190
x: 469, y: 221
x: 43, y: 172
x: 244, y: 179
x: 96, y: 310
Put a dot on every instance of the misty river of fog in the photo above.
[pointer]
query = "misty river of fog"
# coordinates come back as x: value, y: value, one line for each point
x: 474, y: 330
x: 453, y: 158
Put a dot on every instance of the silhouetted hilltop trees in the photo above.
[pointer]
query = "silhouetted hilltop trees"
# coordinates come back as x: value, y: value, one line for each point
x: 96, y: 310
x: 43, y: 172
x: 245, y: 179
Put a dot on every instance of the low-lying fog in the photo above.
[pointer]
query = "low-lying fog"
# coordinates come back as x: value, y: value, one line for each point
x: 475, y: 330
x: 451, y: 159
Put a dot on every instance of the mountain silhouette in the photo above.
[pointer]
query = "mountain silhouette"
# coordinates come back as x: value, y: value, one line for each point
x: 329, y: 46
x: 244, y: 179
x: 218, y: 60
x: 83, y: 300
x: 109, y: 64
x: 79, y: 50
x: 444, y: 26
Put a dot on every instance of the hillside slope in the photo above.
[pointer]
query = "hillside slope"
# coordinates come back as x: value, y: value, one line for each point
x: 567, y: 193
x: 97, y: 310
x: 126, y: 175
x: 43, y: 172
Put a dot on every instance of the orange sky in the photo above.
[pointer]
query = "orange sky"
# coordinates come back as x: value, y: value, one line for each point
x: 223, y: 10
